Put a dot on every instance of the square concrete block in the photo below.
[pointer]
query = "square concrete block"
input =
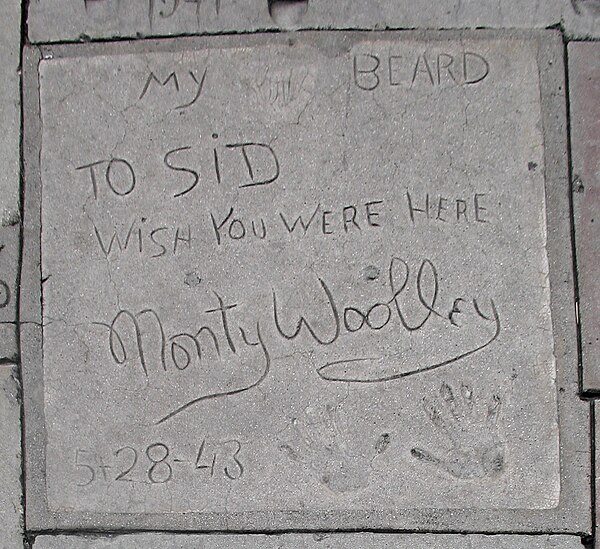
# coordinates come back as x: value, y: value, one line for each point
x: 61, y: 20
x: 310, y: 541
x: 316, y: 281
x: 584, y: 80
x: 10, y: 461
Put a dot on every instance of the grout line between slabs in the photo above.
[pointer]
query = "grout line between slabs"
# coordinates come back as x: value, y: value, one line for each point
x: 27, y: 544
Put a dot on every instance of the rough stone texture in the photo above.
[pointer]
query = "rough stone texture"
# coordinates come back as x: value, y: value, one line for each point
x: 180, y: 387
x: 584, y: 81
x: 60, y: 20
x: 10, y: 461
x: 8, y: 342
x: 310, y: 541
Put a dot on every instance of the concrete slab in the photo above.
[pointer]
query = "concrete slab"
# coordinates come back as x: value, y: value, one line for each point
x: 10, y: 216
x: 266, y: 236
x: 310, y: 541
x: 596, y: 427
x: 10, y: 461
x: 581, y: 18
x: 8, y: 342
x: 584, y: 81
x: 9, y: 268
x: 61, y: 20
x: 10, y: 114
x: 72, y: 20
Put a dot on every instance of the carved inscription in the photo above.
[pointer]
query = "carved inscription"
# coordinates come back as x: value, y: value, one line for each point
x: 192, y: 89
x: 317, y: 441
x: 256, y: 163
x: 157, y: 464
x: 471, y: 427
x: 443, y: 69
x: 272, y: 258
x: 208, y: 342
x: 156, y: 10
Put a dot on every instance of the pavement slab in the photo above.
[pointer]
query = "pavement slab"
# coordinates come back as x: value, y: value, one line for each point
x: 584, y: 82
x: 10, y: 114
x: 232, y: 280
x: 10, y: 204
x: 11, y: 512
x: 309, y: 541
x: 596, y: 427
x: 581, y: 18
x: 9, y: 272
x: 80, y: 20
x: 290, y: 274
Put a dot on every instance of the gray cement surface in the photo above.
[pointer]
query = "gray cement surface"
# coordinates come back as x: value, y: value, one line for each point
x: 10, y: 47
x: 11, y: 536
x: 584, y: 81
x: 9, y: 267
x: 581, y: 18
x: 248, y: 242
x: 310, y: 541
x: 596, y: 427
x: 68, y: 20
x: 10, y: 216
